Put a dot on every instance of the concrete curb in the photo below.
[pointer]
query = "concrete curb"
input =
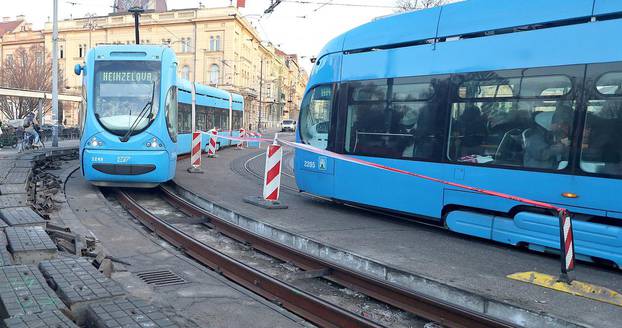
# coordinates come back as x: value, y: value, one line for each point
x: 519, y: 316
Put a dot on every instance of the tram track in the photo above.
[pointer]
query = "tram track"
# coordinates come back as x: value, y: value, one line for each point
x: 311, y: 307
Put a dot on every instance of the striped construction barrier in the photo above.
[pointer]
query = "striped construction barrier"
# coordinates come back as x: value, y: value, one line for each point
x: 195, y: 155
x: 272, y: 174
x: 240, y: 144
x: 211, y: 146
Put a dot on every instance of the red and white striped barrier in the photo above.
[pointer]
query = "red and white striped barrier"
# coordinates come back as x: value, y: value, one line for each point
x: 240, y: 144
x: 195, y: 153
x: 566, y: 239
x: 272, y: 175
x: 211, y: 146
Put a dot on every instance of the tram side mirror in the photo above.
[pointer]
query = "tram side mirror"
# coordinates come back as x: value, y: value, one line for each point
x: 78, y: 69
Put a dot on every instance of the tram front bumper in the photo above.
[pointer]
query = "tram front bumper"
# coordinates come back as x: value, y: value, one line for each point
x: 127, y: 167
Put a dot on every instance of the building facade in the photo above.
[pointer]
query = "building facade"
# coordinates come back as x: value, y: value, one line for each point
x: 214, y: 46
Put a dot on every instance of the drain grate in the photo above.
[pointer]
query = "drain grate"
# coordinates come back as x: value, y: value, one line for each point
x: 160, y: 278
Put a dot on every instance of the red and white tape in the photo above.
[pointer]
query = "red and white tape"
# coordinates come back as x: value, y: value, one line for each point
x: 566, y: 235
x: 195, y: 155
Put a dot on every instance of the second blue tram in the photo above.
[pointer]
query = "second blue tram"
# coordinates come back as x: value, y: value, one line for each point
x: 521, y: 97
x: 214, y: 108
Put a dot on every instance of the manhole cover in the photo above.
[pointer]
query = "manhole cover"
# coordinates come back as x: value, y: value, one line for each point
x: 160, y: 278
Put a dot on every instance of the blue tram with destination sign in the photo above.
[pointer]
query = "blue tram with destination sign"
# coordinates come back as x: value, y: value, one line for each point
x: 130, y: 119
x: 515, y: 96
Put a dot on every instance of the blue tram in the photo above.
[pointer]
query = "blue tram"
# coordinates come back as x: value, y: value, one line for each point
x: 136, y: 116
x: 129, y: 116
x: 520, y: 97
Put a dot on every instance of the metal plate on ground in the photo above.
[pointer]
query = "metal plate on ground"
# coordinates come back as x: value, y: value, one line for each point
x: 15, y: 200
x: 130, y: 312
x: 23, y: 291
x: 78, y: 282
x: 5, y: 256
x: 30, y: 245
x: 21, y: 216
x: 24, y: 163
x: 16, y: 177
x: 160, y: 278
x: 12, y: 188
x: 47, y: 319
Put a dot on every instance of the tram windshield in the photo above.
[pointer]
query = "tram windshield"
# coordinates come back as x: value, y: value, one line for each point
x: 122, y: 90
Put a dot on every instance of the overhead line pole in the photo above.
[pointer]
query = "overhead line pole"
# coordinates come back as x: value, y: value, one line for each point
x: 273, y: 5
x: 55, y: 75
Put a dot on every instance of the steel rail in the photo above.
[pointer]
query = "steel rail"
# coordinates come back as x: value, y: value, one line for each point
x: 430, y: 308
x: 290, y: 297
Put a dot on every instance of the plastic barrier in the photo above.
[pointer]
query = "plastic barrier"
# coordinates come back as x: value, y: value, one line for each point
x: 195, y: 152
x: 272, y: 173
x: 242, y: 138
x: 211, y: 146
x: 565, y: 221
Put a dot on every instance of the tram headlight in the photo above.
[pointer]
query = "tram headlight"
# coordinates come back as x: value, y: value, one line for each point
x: 94, y: 142
x: 154, y: 143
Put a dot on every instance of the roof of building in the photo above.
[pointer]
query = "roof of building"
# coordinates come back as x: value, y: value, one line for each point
x: 6, y: 27
x: 121, y: 6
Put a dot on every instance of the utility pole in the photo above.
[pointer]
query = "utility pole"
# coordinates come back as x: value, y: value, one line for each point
x: 55, y: 76
x: 260, y: 94
x: 91, y: 25
x: 136, y: 11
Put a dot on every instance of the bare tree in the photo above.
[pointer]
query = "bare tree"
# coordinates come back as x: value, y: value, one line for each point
x: 27, y: 69
x: 410, y: 5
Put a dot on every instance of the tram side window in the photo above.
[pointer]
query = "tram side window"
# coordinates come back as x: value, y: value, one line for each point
x: 237, y: 120
x: 512, y: 121
x: 315, y: 114
x: 397, y: 118
x: 200, y: 116
x: 184, y: 118
x: 601, y: 150
x: 171, y: 113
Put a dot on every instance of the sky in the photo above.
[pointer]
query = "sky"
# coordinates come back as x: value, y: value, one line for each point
x: 295, y: 27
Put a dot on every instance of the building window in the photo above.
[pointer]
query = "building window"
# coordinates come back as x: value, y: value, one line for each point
x: 80, y: 51
x: 39, y: 58
x: 9, y: 60
x: 185, y: 44
x: 185, y: 72
x: 214, y: 73
x: 214, y: 43
x: 61, y: 52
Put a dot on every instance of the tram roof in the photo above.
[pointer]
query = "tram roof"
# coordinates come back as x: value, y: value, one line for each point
x: 203, y: 89
x: 467, y: 17
x: 132, y: 51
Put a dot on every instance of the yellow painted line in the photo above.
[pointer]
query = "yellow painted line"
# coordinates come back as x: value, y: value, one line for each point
x: 576, y: 288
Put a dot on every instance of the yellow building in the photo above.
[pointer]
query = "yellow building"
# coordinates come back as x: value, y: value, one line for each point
x: 217, y: 46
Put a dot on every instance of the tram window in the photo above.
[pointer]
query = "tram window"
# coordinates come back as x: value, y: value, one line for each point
x: 237, y: 119
x: 395, y: 118
x: 184, y: 118
x: 211, y: 120
x: 200, y: 116
x: 520, y: 122
x: 315, y: 116
x: 601, y: 150
x: 224, y: 114
x: 171, y: 113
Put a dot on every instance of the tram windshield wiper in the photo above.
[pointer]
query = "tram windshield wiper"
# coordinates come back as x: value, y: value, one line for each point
x: 146, y: 108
